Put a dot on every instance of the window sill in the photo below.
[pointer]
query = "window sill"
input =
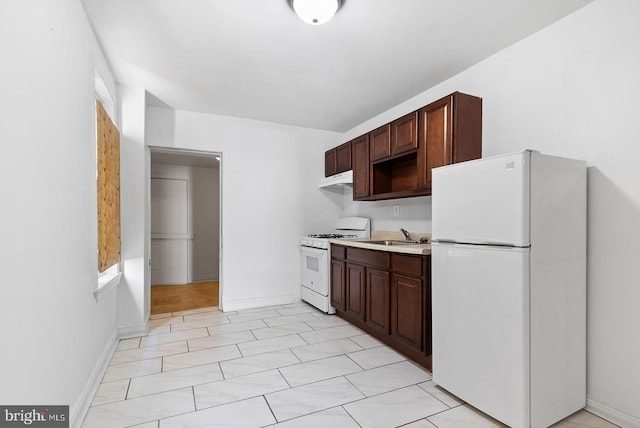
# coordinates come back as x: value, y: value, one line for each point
x: 106, y: 283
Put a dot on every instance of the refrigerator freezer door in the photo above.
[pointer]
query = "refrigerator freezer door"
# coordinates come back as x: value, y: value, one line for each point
x: 480, y: 315
x: 483, y: 201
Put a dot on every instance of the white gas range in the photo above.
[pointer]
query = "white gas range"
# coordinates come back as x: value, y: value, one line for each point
x: 315, y: 260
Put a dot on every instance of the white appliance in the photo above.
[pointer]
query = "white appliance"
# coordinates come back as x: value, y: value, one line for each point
x: 315, y: 260
x: 509, y: 286
x: 337, y: 181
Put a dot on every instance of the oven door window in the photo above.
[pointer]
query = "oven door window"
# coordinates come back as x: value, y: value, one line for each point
x: 313, y: 263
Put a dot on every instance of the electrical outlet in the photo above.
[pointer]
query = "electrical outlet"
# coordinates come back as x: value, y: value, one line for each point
x: 396, y: 210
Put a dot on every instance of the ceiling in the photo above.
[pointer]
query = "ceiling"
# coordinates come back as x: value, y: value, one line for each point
x: 255, y: 59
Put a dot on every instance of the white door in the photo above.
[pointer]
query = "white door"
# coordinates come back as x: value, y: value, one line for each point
x: 483, y: 201
x: 480, y: 324
x: 169, y: 231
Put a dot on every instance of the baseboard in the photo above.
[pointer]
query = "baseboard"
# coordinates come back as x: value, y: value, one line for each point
x: 238, y: 305
x: 134, y: 330
x: 612, y: 415
x: 193, y: 281
x: 196, y: 281
x: 80, y: 408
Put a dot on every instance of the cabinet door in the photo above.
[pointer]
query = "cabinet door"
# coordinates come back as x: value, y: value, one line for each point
x: 467, y: 134
x: 360, y: 153
x: 338, y: 284
x: 377, y: 297
x: 449, y: 131
x: 356, y: 290
x: 426, y: 301
x: 404, y: 134
x: 380, y: 142
x: 343, y: 157
x: 435, y: 145
x: 330, y: 162
x: 407, y: 310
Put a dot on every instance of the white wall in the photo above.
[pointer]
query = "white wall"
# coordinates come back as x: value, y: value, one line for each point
x: 269, y: 176
x: 134, y: 289
x: 414, y: 214
x: 572, y: 90
x: 54, y: 334
x: 569, y: 90
x: 206, y: 223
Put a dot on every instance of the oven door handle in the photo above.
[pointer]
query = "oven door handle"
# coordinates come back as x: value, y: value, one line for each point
x: 312, y: 250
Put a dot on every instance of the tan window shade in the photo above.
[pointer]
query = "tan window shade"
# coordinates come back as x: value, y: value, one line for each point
x: 108, y: 148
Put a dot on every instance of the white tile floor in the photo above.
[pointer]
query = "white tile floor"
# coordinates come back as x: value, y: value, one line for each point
x: 284, y: 366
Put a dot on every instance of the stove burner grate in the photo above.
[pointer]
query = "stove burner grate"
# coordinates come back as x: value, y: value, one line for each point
x: 331, y: 235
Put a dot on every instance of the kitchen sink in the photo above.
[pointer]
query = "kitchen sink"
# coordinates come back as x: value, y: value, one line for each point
x: 393, y: 242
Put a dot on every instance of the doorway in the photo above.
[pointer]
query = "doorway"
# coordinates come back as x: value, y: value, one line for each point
x: 170, y: 237
x: 185, y: 240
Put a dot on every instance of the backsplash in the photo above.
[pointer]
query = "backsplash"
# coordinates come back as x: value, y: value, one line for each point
x: 414, y: 214
x: 395, y: 235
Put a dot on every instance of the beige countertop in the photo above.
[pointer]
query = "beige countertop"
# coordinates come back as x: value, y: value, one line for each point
x: 419, y: 249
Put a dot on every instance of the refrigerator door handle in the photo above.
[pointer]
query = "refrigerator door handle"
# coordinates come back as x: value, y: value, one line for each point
x: 443, y: 241
x: 480, y: 244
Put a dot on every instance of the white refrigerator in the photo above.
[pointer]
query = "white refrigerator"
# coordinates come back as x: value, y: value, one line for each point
x: 509, y: 285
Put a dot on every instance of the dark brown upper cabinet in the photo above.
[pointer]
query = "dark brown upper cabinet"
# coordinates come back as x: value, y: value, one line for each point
x: 343, y: 157
x: 404, y: 134
x: 330, y: 165
x: 395, y: 160
x: 360, y: 153
x: 337, y: 160
x: 380, y: 143
x: 450, y: 131
x: 395, y: 138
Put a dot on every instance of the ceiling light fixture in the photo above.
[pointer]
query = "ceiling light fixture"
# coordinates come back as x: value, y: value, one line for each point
x: 315, y: 12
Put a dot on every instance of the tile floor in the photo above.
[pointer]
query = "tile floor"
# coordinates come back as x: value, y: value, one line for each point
x: 285, y: 366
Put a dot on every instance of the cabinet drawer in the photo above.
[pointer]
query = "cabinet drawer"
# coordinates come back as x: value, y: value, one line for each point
x: 338, y: 252
x: 368, y: 257
x: 406, y: 264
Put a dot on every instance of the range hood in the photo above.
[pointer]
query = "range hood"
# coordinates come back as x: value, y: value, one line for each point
x: 338, y: 181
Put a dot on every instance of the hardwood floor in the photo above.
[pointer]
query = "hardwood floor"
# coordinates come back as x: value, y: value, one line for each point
x: 174, y: 298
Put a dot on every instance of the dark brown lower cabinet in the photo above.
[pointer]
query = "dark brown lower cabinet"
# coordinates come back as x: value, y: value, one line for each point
x: 356, y: 283
x: 407, y: 310
x: 377, y: 298
x: 386, y: 294
x: 338, y: 284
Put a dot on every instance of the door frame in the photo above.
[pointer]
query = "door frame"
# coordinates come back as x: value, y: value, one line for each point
x: 184, y: 152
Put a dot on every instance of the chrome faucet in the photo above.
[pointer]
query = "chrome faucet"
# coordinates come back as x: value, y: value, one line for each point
x: 406, y: 234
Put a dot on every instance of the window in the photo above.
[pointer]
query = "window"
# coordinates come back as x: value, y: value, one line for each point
x: 108, y: 148
x: 108, y: 191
